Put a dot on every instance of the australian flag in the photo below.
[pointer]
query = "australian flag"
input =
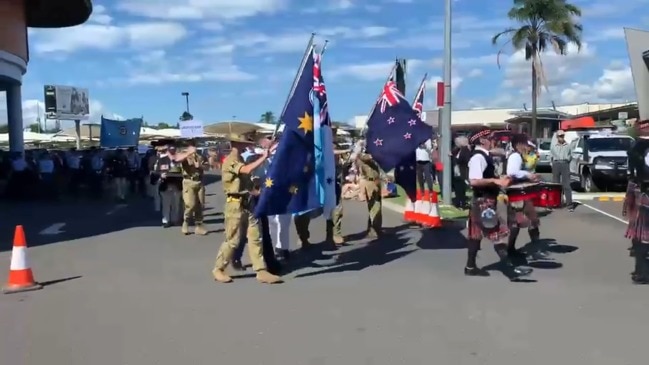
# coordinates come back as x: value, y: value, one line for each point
x: 325, y: 161
x: 404, y: 173
x: 394, y: 130
x: 119, y: 133
x: 288, y: 186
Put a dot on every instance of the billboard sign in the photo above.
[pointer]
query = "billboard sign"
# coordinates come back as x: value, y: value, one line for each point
x: 637, y: 42
x: 66, y: 103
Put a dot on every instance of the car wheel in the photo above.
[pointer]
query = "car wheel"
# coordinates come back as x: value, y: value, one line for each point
x: 589, y: 184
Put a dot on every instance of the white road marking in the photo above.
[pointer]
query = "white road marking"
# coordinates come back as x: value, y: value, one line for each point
x: 116, y: 208
x: 52, y: 230
x: 602, y: 212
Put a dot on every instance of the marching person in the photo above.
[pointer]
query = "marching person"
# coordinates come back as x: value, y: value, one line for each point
x: 483, y: 218
x: 636, y: 204
x: 133, y: 161
x: 153, y: 189
x: 371, y: 187
x: 120, y: 172
x: 96, y: 173
x: 170, y: 185
x: 334, y: 225
x: 236, y: 185
x: 520, y: 215
x: 193, y: 191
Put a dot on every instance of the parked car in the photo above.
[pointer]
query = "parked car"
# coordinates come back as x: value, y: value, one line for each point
x: 543, y: 150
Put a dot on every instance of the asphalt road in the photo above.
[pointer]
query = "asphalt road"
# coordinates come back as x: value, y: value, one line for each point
x: 121, y: 290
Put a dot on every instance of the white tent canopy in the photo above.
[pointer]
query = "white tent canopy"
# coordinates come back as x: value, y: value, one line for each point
x: 269, y: 128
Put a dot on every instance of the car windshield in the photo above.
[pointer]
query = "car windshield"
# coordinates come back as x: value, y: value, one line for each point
x: 545, y: 146
x: 609, y: 144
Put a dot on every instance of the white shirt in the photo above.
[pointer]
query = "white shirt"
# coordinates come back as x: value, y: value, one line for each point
x: 46, y: 166
x: 19, y: 164
x: 646, y: 159
x: 514, y: 166
x: 423, y: 153
x: 477, y: 164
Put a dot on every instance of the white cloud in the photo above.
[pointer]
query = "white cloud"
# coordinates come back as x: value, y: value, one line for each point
x: 108, y: 37
x: 614, y: 85
x: 159, y: 67
x: 200, y: 9
x: 368, y: 71
x: 34, y: 109
x: 559, y: 69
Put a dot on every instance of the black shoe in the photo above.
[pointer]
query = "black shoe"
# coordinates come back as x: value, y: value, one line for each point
x: 639, y: 280
x: 282, y: 255
x: 522, y: 271
x: 274, y: 267
x: 237, y: 265
x: 166, y: 225
x: 515, y: 254
x: 571, y: 207
x: 475, y: 271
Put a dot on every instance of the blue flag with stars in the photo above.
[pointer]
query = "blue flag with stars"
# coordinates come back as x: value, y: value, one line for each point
x: 404, y: 174
x: 288, y: 186
x: 119, y: 133
x: 394, y: 130
x: 325, y: 161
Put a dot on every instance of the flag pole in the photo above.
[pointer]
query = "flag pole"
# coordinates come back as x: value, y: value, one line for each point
x: 308, y: 49
x: 445, y: 123
x: 324, y: 47
x: 377, y: 98
x: 423, y: 80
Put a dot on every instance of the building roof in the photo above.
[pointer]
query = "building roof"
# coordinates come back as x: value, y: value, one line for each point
x: 57, y: 13
x: 495, y: 117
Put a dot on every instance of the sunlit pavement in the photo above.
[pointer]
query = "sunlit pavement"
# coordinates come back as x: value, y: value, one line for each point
x: 140, y: 294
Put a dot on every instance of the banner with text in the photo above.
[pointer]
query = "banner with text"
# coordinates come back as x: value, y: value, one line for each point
x: 191, y: 129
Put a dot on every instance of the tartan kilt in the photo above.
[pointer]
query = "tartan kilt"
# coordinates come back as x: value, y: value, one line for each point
x: 638, y: 228
x: 474, y: 227
x: 630, y: 205
x: 522, y: 215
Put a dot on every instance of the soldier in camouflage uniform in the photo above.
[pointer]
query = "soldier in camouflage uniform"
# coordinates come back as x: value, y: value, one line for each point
x: 193, y: 192
x: 334, y: 225
x: 371, y: 187
x: 238, y: 189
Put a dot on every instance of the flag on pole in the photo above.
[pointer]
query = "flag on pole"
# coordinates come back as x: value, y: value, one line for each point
x: 394, y: 130
x: 119, y: 133
x: 405, y: 174
x: 325, y: 161
x: 287, y: 187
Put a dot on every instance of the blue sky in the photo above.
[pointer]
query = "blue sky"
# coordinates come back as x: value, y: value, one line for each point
x: 137, y: 56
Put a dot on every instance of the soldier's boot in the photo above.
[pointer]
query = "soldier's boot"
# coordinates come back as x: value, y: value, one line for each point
x: 338, y: 240
x: 372, y: 233
x: 185, y: 228
x: 200, y: 229
x: 221, y: 276
x: 264, y: 277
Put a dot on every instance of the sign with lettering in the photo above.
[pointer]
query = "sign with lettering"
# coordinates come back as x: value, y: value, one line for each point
x: 191, y: 129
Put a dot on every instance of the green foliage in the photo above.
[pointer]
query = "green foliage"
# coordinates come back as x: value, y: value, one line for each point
x: 186, y: 116
x: 268, y: 117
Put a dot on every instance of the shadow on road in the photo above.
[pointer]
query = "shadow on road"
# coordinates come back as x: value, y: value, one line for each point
x: 77, y: 219
x: 385, y: 249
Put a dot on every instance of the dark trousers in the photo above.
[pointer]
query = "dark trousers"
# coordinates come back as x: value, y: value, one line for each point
x: 459, y: 187
x: 425, y: 175
x: 266, y: 242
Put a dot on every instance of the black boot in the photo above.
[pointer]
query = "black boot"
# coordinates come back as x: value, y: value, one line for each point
x: 512, y: 252
x: 539, y: 252
x: 641, y: 273
x: 471, y: 268
x: 509, y: 269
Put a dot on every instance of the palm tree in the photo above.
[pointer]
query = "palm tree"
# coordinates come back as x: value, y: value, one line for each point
x: 541, y: 24
x: 268, y: 117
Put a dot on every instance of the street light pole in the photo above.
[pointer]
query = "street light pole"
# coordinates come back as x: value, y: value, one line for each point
x: 446, y: 111
x: 186, y: 95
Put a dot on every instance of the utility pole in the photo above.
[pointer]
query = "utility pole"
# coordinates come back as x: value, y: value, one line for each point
x: 186, y: 95
x: 445, y: 125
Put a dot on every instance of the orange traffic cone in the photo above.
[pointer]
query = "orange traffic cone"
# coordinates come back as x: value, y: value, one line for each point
x: 21, y: 278
x: 424, y: 207
x: 409, y: 211
x: 433, y: 219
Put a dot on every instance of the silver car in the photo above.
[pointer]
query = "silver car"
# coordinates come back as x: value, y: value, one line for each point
x: 544, y: 156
